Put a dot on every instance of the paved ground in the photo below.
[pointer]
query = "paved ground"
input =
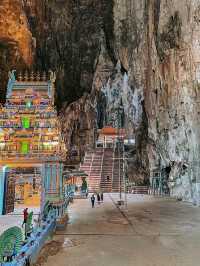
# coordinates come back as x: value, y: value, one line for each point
x: 153, y: 232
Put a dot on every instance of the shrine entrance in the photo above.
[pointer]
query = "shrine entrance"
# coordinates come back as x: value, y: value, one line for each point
x: 23, y: 188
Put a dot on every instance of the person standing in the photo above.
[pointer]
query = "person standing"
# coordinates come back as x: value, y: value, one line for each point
x: 98, y: 198
x: 93, y: 200
x: 101, y: 196
x: 25, y: 213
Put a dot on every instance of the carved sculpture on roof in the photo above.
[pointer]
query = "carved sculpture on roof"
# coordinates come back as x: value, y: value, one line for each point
x: 52, y: 76
x: 11, y: 76
x: 26, y: 76
x: 20, y: 78
x: 32, y: 76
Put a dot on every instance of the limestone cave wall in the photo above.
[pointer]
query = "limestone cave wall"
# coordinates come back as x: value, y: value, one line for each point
x: 157, y: 42
x: 140, y: 55
x: 172, y: 93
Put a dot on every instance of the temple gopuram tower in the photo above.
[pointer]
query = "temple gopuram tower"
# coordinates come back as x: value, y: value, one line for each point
x: 32, y: 150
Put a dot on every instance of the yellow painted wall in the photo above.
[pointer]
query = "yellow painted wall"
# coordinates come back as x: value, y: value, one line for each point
x: 30, y: 201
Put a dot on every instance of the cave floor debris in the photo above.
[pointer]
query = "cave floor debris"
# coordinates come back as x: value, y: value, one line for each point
x: 150, y: 232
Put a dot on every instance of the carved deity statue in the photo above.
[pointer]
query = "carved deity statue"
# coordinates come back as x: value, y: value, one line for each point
x: 52, y: 76
x: 11, y: 75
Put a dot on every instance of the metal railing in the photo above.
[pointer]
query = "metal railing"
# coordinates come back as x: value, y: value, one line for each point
x: 102, y: 159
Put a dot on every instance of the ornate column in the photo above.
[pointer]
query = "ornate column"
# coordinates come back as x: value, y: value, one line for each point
x: 48, y: 177
x: 54, y: 178
x: 61, y: 179
x: 43, y: 186
x: 2, y: 186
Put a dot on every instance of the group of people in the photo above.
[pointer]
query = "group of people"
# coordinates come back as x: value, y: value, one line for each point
x: 99, y: 198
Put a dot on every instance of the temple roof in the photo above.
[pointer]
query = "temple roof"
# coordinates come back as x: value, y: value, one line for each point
x: 111, y: 131
x: 31, y: 82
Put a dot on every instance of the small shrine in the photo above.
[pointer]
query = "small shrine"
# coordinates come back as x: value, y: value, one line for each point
x: 109, y: 136
x: 32, y: 149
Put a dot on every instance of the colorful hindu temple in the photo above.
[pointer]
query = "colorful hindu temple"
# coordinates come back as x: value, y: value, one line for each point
x: 32, y: 150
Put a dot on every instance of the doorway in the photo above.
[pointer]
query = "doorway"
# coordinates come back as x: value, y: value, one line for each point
x: 23, y: 188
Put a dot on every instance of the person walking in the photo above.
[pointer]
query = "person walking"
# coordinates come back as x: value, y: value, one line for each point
x: 101, y: 196
x: 98, y: 198
x: 93, y: 200
x: 25, y: 213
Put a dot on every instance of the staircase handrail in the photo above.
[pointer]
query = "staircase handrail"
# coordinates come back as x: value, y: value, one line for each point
x: 91, y: 165
x: 82, y: 163
x: 113, y: 165
x: 102, y: 159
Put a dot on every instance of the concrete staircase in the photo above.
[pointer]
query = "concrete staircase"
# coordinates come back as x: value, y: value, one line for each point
x: 96, y: 170
x: 92, y: 165
x: 107, y: 170
x: 102, y: 167
x: 86, y: 166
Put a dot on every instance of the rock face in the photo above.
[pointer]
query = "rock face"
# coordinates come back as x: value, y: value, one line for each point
x: 173, y: 106
x: 141, y: 57
x: 158, y: 45
x: 16, y: 42
x: 79, y: 127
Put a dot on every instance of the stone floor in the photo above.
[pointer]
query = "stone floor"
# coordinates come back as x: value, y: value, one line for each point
x: 150, y: 232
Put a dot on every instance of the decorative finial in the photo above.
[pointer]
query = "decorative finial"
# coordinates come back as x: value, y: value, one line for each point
x: 20, y: 76
x: 38, y: 76
x: 44, y: 76
x: 11, y: 75
x: 26, y: 77
x: 52, y: 76
x: 32, y: 76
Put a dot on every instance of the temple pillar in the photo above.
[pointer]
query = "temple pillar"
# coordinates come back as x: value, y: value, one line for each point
x: 48, y: 177
x: 57, y: 180
x: 61, y: 179
x: 43, y: 186
x: 54, y: 178
x: 2, y: 187
x: 46, y: 172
